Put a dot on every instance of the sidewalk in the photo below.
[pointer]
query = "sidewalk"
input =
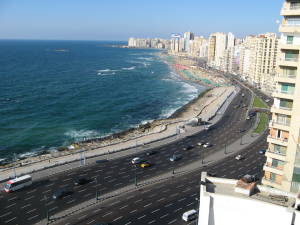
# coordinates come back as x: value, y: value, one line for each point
x: 61, y: 164
x: 210, y: 159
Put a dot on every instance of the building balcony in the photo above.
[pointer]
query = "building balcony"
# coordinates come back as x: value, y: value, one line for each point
x: 279, y: 126
x: 288, y: 46
x: 286, y: 78
x: 283, y: 94
x: 275, y: 155
x: 293, y: 10
x: 273, y: 169
x: 292, y: 62
x: 289, y: 28
x: 282, y: 110
x: 277, y: 141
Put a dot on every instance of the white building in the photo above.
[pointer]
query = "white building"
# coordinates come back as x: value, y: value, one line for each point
x: 239, y: 202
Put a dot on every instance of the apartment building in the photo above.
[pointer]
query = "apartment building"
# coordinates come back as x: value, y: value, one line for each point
x: 282, y: 168
x: 216, y: 49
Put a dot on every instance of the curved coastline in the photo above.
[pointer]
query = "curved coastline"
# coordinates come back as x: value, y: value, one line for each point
x: 142, y: 128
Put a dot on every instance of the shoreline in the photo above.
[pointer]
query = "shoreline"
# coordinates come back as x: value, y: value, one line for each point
x: 130, y: 133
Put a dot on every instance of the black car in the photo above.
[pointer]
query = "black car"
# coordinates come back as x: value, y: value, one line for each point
x: 61, y: 193
x: 101, y: 161
x: 80, y: 181
x: 188, y: 148
x: 151, y: 153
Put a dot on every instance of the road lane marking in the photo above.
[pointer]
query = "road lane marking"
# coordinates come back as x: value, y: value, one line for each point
x: 177, y: 210
x: 190, y: 204
x: 161, y: 199
x: 164, y: 216
x: 133, y: 211
x: 26, y: 206
x: 138, y: 200
x: 10, y: 205
x: 125, y: 206
x: 82, y: 190
x: 30, y: 218
x: 128, y: 223
x: 5, y: 214
x: 71, y: 201
x: 7, y: 221
x: 147, y: 205
x: 155, y: 211
x: 29, y: 198
x: 117, y: 218
x: 141, y: 217
x: 30, y: 211
x: 52, y: 208
x: 97, y: 210
x: 12, y: 198
x: 107, y: 214
x: 152, y: 221
x: 180, y: 200
x: 92, y: 221
x: 169, y: 204
x: 173, y: 221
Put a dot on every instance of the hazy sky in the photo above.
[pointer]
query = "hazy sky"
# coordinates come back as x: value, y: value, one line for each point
x: 120, y: 19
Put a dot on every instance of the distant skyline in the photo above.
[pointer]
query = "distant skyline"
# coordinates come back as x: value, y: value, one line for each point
x: 121, y: 19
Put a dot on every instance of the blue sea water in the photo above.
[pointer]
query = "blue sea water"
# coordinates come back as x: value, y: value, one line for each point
x: 53, y: 93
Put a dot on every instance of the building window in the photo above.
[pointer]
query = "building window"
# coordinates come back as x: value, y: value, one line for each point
x: 290, y: 40
x: 286, y: 104
x: 277, y: 164
x: 272, y: 177
x: 278, y: 149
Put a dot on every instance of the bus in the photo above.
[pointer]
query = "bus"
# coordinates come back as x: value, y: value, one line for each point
x: 18, y: 183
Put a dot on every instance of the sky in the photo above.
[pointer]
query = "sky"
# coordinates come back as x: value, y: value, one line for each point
x: 121, y: 19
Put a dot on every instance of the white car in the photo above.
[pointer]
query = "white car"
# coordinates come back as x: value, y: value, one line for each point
x: 200, y: 143
x: 239, y: 157
x: 136, y: 160
x: 207, y: 145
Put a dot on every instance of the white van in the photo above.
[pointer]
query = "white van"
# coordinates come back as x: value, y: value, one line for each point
x: 189, y: 215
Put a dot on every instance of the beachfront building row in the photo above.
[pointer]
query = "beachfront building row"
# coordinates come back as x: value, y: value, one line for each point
x: 282, y: 168
x: 258, y: 60
x: 148, y: 43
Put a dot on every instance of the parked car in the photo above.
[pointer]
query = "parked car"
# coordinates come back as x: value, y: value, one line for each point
x: 239, y: 157
x: 136, y: 160
x: 249, y: 178
x: 262, y: 151
x: 61, y: 193
x: 207, y: 145
x: 175, y: 158
x: 80, y: 181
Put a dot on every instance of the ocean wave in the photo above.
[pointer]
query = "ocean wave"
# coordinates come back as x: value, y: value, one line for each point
x: 145, y: 58
x: 166, y: 113
x: 106, y: 74
x: 188, y: 88
x: 106, y: 70
x: 129, y: 68
x: 79, y: 135
x: 146, y: 121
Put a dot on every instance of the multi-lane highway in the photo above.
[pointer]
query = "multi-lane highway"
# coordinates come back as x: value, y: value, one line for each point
x: 29, y: 205
x: 165, y: 203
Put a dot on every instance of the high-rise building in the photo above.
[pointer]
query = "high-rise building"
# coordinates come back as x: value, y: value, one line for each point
x: 216, y: 49
x: 258, y: 61
x: 188, y: 36
x: 282, y: 168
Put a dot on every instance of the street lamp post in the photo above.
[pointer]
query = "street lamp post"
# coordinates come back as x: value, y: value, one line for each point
x: 14, y: 167
x: 47, y: 212
x: 135, y: 177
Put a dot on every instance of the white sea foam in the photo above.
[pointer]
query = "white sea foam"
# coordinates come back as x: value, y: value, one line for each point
x: 106, y: 70
x: 129, y: 68
x: 146, y: 121
x: 79, y: 135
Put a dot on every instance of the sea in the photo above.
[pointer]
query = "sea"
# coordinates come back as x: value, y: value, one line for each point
x: 54, y: 93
